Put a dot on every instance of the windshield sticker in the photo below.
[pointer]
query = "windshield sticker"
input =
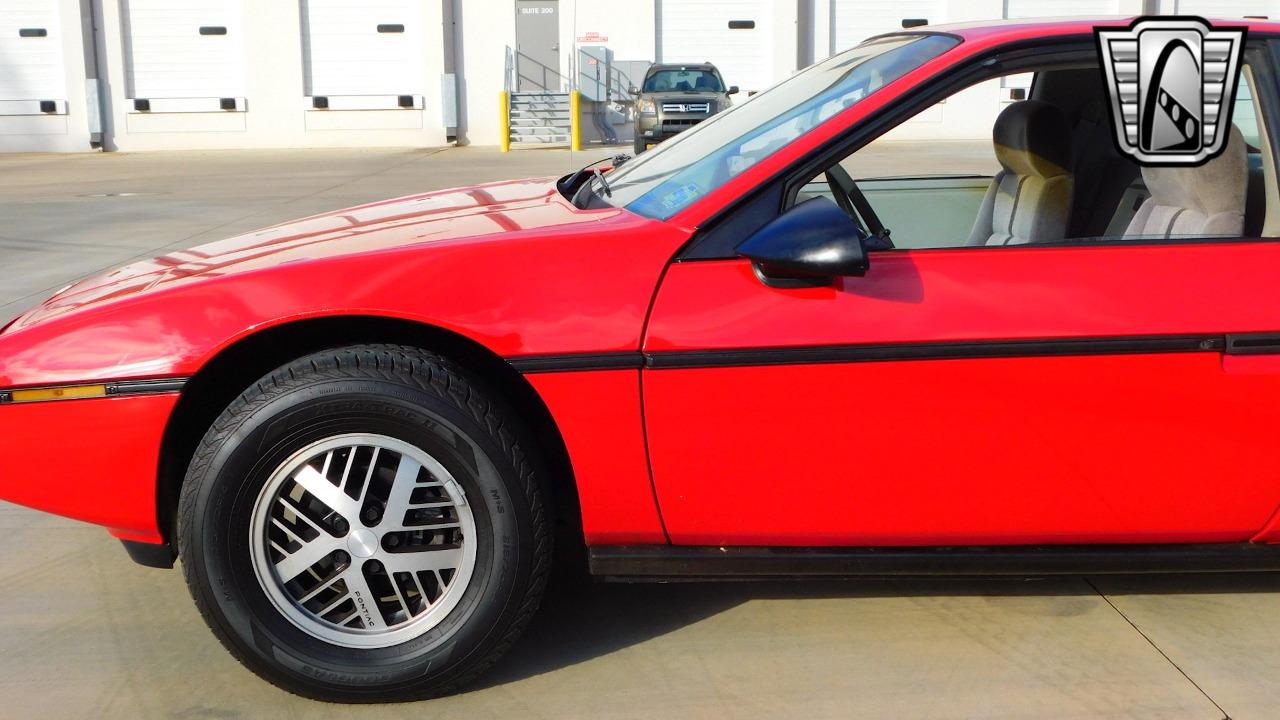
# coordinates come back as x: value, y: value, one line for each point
x: 681, y: 197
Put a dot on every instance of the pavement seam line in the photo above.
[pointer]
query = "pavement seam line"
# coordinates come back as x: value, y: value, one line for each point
x: 170, y: 247
x: 1154, y: 646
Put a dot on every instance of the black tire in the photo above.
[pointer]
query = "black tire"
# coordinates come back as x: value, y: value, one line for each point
x: 639, y: 146
x: 419, y: 398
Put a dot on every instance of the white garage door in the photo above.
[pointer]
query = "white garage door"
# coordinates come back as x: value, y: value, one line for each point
x: 184, y: 48
x: 1229, y: 8
x: 1052, y: 8
x: 31, y: 67
x: 374, y: 47
x: 1059, y: 8
x: 734, y: 35
x: 853, y: 21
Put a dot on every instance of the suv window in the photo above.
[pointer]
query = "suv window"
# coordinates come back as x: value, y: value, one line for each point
x: 683, y: 80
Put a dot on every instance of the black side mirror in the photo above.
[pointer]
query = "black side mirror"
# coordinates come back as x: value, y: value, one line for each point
x: 633, y: 90
x: 733, y: 89
x: 809, y: 245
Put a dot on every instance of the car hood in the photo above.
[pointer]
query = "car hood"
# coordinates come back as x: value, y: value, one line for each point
x: 435, y: 217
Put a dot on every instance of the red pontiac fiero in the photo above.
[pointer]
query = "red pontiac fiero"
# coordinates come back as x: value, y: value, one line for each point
x: 732, y: 356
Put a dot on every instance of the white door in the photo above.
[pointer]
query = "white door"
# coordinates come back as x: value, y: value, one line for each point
x: 1059, y: 8
x: 1229, y: 8
x: 363, y: 47
x: 31, y: 63
x: 734, y: 35
x: 184, y: 48
x: 853, y: 21
x: 1052, y: 8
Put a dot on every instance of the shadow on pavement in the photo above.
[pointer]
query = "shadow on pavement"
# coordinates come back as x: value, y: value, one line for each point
x: 581, y: 620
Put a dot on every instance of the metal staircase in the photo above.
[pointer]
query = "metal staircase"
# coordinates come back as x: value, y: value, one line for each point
x: 540, y: 118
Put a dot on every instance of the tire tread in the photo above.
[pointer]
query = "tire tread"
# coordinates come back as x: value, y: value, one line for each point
x: 421, y: 369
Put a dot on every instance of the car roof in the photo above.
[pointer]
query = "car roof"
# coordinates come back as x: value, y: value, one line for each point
x: 1029, y: 28
x: 673, y: 66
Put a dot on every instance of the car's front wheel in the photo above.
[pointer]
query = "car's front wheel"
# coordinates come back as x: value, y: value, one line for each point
x: 365, y: 524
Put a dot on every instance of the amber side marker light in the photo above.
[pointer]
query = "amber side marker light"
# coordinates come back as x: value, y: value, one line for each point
x: 69, y: 392
x: 120, y: 388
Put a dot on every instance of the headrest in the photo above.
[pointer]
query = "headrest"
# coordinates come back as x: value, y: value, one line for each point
x: 1032, y: 138
x: 1214, y: 187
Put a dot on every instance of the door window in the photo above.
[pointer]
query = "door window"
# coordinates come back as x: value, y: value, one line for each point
x: 948, y: 178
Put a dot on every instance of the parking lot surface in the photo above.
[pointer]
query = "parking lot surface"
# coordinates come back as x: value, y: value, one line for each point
x: 86, y: 633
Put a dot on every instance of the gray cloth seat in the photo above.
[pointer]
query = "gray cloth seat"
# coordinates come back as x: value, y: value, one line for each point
x: 1029, y: 200
x: 1204, y: 201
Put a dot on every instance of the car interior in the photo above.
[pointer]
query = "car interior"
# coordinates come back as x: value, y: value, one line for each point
x: 1060, y: 177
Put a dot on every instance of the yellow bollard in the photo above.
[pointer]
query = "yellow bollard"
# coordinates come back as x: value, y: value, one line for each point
x: 504, y: 121
x: 575, y: 120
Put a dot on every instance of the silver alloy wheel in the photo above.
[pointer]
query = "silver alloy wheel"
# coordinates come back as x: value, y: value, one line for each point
x: 363, y: 540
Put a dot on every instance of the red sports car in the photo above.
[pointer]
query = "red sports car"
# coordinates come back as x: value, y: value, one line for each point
x: 361, y: 431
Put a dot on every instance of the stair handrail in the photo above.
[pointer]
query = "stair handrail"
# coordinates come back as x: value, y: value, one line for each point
x: 516, y: 64
x: 624, y: 84
x: 508, y: 71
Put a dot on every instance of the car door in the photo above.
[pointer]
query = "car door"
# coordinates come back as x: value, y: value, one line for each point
x: 1098, y: 392
x: 969, y: 396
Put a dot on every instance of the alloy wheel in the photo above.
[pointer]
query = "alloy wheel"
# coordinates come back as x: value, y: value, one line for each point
x: 363, y: 540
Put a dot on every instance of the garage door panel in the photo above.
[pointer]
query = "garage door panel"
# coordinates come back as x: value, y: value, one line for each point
x: 853, y: 21
x: 1229, y: 8
x: 346, y: 53
x: 1060, y: 8
x: 184, y: 48
x: 31, y: 68
x: 1052, y: 8
x: 696, y: 31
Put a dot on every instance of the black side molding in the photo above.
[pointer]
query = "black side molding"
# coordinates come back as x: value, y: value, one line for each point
x: 149, y: 555
x: 946, y: 350
x: 583, y: 361
x: 641, y: 562
x: 1253, y: 344
x: 1232, y: 344
x: 146, y: 387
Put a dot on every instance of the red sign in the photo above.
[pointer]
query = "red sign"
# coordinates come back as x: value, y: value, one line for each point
x: 593, y: 37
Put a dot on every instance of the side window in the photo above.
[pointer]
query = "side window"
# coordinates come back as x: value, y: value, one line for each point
x: 1244, y: 114
x: 983, y: 170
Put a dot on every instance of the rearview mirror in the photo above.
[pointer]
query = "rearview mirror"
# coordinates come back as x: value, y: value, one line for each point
x: 733, y: 89
x: 633, y: 90
x: 809, y: 245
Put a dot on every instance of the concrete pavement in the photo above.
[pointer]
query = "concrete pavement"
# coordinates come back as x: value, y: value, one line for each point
x: 84, y: 632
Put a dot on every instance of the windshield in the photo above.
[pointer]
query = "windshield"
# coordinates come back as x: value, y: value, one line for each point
x: 662, y: 182
x: 683, y: 80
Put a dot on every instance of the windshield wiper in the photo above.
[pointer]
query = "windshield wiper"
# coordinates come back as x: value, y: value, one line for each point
x: 570, y: 184
x: 604, y: 185
x: 580, y: 193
